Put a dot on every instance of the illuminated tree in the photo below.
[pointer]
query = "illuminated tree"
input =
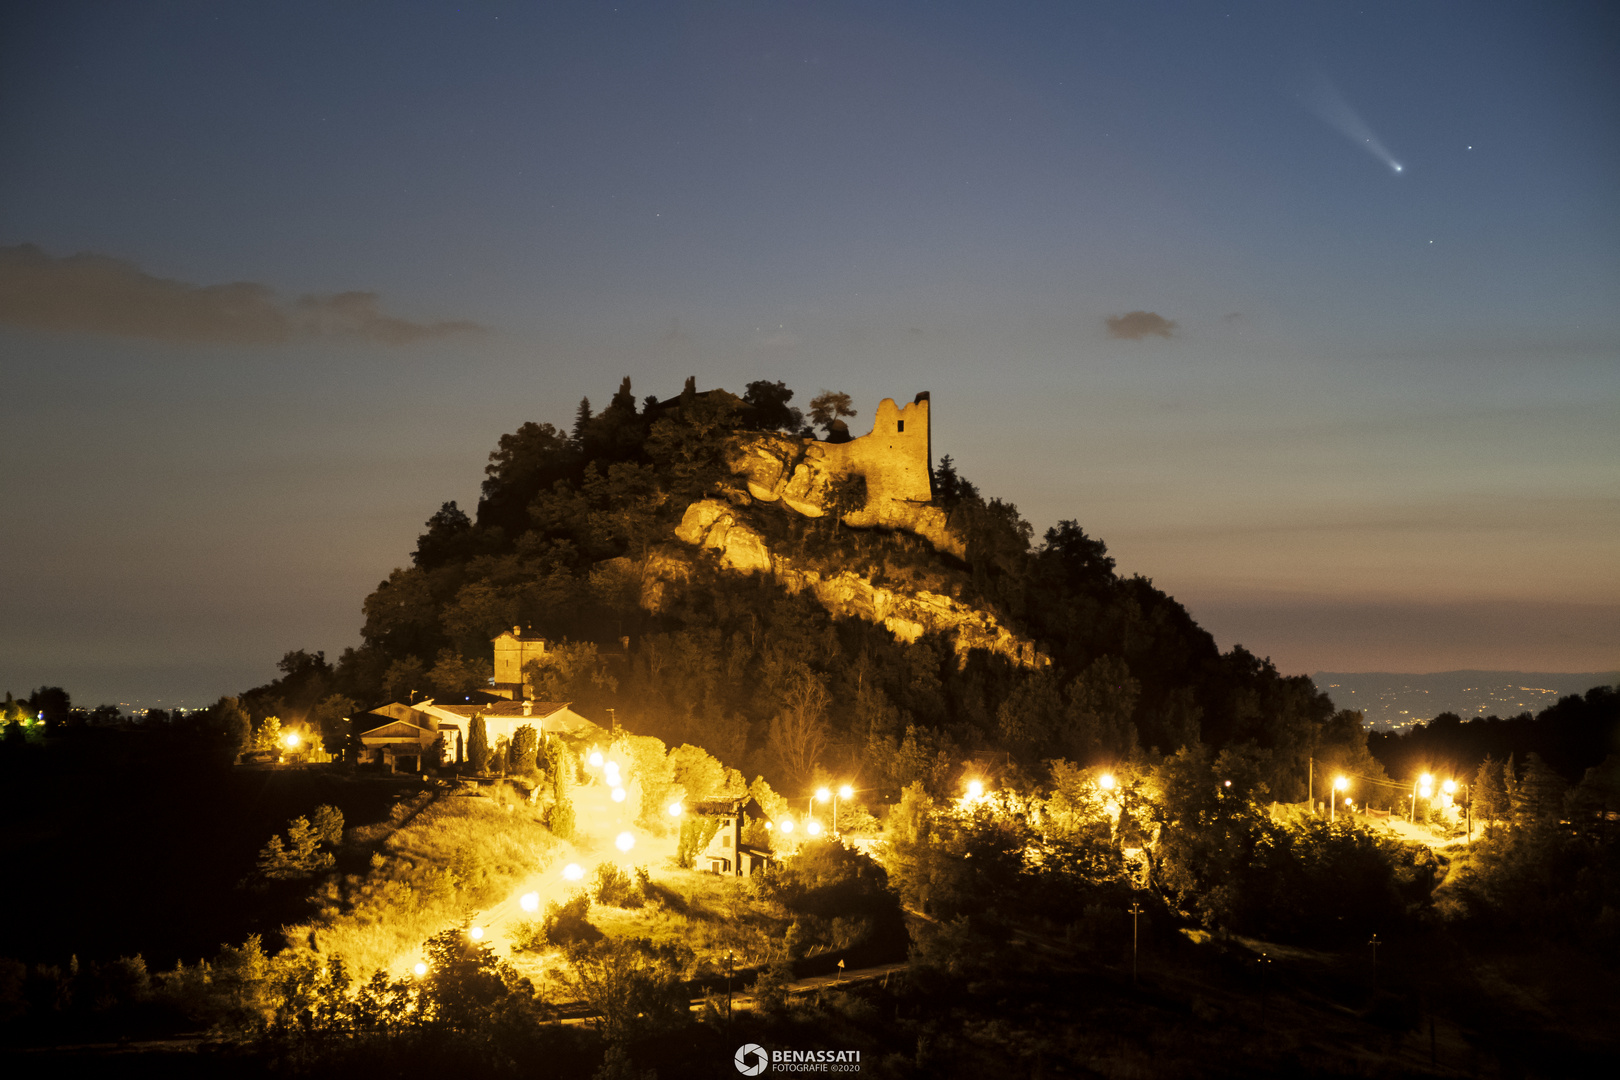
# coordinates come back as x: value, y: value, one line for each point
x: 830, y: 407
x: 268, y: 734
x: 524, y: 750
x: 1489, y: 794
x: 478, y: 753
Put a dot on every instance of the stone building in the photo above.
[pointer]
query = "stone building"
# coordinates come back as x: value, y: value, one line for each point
x: 513, y: 650
x: 726, y: 853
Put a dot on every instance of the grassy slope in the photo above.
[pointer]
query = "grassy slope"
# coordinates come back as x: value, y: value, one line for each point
x: 433, y: 862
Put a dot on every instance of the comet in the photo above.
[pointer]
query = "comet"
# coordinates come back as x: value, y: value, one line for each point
x: 1324, y: 99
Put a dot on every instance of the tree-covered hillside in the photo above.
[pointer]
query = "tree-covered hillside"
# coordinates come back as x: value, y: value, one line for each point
x: 573, y: 524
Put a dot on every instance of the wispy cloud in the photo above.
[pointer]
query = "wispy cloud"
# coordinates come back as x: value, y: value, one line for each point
x: 1136, y: 325
x: 97, y: 294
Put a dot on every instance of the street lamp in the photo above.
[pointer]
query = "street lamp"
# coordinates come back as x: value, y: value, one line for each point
x: 813, y: 828
x: 676, y: 809
x: 529, y: 901
x: 420, y: 969
x: 1423, y: 787
x: 1106, y: 781
x: 476, y: 933
x: 821, y: 795
x: 573, y: 871
x: 1340, y: 783
x: 625, y: 841
x: 975, y: 789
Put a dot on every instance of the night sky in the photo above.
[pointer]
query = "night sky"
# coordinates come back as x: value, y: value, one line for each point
x: 274, y: 278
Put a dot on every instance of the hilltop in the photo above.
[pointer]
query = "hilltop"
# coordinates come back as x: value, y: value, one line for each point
x: 716, y: 571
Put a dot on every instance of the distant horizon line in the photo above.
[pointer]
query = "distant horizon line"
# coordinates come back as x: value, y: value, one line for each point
x: 1612, y: 674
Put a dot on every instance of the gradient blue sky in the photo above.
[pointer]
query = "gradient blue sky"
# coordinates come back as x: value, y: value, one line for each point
x: 1382, y: 435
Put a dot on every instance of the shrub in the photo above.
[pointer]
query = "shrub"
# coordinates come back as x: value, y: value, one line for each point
x: 568, y: 923
x: 616, y: 888
x: 560, y: 818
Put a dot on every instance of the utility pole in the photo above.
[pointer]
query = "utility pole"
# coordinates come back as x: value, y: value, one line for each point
x: 728, y: 986
x: 1374, y: 944
x: 1310, y: 784
x: 1135, y: 910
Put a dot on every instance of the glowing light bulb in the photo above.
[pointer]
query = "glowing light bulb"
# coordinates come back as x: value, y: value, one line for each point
x: 676, y: 809
x: 618, y: 794
x: 595, y: 759
x: 787, y: 825
x: 476, y: 933
x: 1426, y: 780
x: 845, y: 792
x: 529, y: 901
x: 420, y: 969
x: 1106, y: 781
x: 814, y: 828
x: 1449, y: 787
x: 822, y: 794
x: 1340, y: 783
x: 975, y: 789
x: 291, y: 739
x: 573, y: 871
x: 625, y: 842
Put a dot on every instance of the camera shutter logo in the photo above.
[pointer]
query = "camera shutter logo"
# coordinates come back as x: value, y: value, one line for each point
x: 752, y: 1059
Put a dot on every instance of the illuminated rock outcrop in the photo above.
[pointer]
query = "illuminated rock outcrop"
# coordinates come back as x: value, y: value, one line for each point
x: 715, y: 526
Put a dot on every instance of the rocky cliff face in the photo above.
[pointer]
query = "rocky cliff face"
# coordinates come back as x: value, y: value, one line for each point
x: 716, y: 526
x: 799, y: 473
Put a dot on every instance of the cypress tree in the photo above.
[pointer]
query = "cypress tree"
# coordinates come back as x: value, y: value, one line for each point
x: 478, y: 747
